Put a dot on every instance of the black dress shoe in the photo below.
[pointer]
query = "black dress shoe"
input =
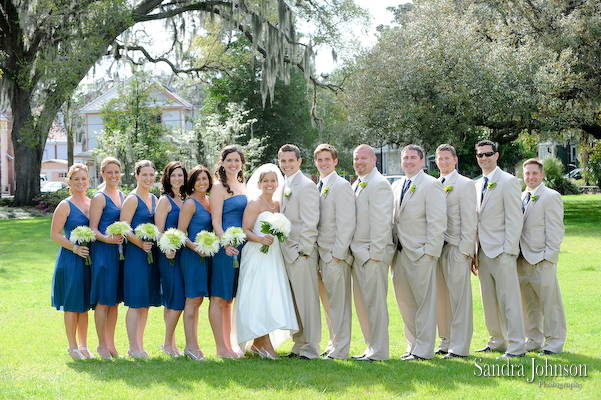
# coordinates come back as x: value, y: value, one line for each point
x: 304, y: 358
x: 412, y: 357
x: 357, y: 357
x: 546, y: 353
x: 509, y: 355
x: 364, y: 358
x: 452, y: 355
x: 290, y: 355
x: 483, y: 350
x: 441, y: 352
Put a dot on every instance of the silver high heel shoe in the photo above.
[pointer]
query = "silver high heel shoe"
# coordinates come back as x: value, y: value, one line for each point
x: 189, y: 353
x: 75, y: 354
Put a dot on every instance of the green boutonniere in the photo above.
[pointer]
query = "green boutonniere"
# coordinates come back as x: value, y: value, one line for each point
x: 325, y: 191
x: 412, y: 188
x: 533, y: 198
x: 448, y: 188
x: 491, y: 185
x: 362, y: 185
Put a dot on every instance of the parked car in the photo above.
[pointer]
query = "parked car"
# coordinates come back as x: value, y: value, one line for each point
x: 393, y: 178
x: 574, y: 174
x: 53, y: 187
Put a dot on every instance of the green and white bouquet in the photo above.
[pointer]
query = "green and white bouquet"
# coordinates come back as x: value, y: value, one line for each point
x: 207, y: 243
x: 234, y: 236
x: 276, y: 225
x: 149, y: 233
x: 119, y: 228
x: 172, y: 240
x: 83, y: 235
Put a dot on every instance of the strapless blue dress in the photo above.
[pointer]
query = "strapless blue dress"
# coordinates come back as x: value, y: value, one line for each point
x: 194, y: 271
x: 71, y: 278
x: 107, y: 270
x: 172, y: 282
x: 224, y: 277
x: 141, y: 283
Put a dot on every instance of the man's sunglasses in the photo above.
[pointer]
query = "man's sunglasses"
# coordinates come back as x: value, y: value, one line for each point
x: 487, y: 154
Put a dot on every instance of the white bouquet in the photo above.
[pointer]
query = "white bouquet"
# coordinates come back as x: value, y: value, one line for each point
x: 83, y: 235
x: 119, y: 228
x: 207, y: 243
x: 171, y: 240
x: 233, y: 236
x: 276, y: 225
x: 149, y: 233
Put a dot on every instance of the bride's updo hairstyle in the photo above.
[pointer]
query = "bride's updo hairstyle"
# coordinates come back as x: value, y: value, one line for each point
x: 265, y: 173
x: 220, y: 171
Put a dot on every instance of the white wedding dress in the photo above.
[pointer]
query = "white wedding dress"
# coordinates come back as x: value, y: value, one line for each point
x: 264, y: 302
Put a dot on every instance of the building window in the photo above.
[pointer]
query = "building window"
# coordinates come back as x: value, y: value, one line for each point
x: 62, y: 174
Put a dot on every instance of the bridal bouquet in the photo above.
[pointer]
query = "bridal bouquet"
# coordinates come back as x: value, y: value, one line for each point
x: 82, y: 236
x: 119, y: 228
x: 234, y: 236
x: 171, y: 240
x: 276, y: 225
x: 207, y: 243
x: 149, y: 233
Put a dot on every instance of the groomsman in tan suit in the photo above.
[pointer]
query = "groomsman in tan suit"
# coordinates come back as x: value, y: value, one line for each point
x: 499, y: 228
x: 335, y: 231
x: 372, y: 249
x: 419, y: 223
x: 454, y: 286
x: 537, y: 264
x: 300, y: 204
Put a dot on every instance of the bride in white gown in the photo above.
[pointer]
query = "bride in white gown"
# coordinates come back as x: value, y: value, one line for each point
x: 264, y: 308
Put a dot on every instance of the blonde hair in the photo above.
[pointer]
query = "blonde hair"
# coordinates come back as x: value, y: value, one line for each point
x: 72, y: 171
x: 107, y: 161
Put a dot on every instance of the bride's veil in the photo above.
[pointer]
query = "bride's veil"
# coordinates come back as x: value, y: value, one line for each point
x: 252, y: 185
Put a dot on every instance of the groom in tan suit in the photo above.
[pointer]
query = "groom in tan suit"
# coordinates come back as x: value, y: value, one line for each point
x: 454, y: 286
x: 419, y: 223
x: 499, y: 228
x: 537, y: 264
x: 335, y: 231
x: 300, y: 204
x: 372, y: 249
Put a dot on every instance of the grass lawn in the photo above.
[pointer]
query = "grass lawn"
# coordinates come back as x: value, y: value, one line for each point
x: 34, y: 362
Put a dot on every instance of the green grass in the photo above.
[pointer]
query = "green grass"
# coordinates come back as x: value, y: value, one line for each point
x: 34, y: 362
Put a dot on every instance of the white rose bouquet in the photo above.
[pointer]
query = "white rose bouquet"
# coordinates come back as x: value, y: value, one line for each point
x: 83, y: 235
x: 172, y: 240
x: 276, y: 225
x: 119, y: 228
x: 149, y: 233
x: 233, y: 236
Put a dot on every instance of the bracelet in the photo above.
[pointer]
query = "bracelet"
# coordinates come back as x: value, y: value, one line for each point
x: 75, y: 247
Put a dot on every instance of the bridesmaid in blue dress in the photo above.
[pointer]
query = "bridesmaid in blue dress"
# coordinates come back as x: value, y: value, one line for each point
x: 141, y: 286
x: 194, y: 217
x: 174, y: 180
x: 227, y: 200
x: 107, y: 270
x: 71, y: 278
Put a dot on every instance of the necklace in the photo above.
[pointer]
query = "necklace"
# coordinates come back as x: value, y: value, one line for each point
x: 266, y: 202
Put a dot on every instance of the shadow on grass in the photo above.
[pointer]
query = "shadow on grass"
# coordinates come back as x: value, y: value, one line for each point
x: 346, y: 377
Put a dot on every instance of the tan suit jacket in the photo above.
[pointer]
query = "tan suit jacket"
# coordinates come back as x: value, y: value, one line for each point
x: 543, y: 228
x: 302, y: 209
x: 336, y: 220
x: 373, y: 234
x: 420, y: 220
x: 500, y: 215
x: 461, y: 213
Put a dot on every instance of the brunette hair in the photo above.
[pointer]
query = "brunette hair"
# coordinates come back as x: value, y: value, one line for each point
x: 486, y: 143
x: 447, y: 147
x: 143, y: 164
x: 414, y: 147
x: 290, y: 147
x: 534, y: 161
x: 194, y: 176
x: 220, y: 170
x: 166, y: 182
x: 326, y: 147
x: 72, y: 171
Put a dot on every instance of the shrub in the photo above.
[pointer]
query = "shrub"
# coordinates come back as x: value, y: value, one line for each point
x: 555, y: 179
